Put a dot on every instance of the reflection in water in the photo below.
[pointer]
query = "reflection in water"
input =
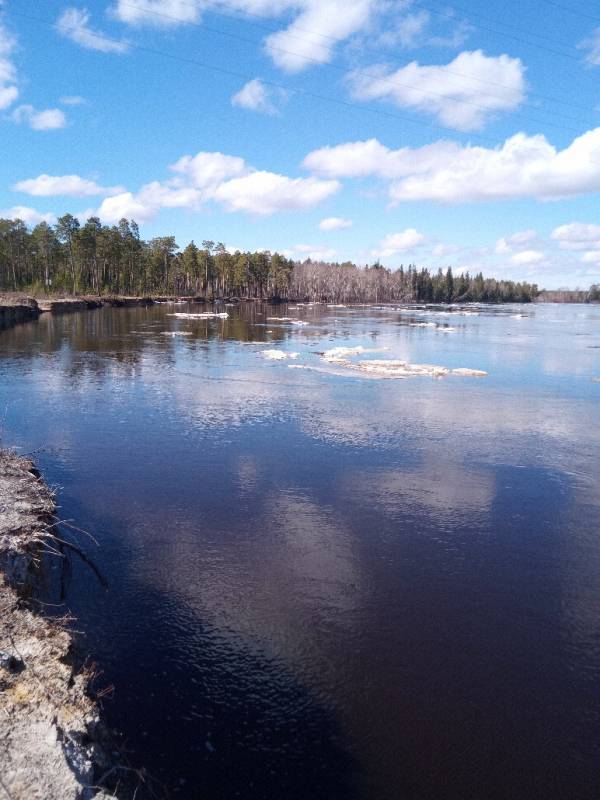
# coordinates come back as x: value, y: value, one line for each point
x: 329, y: 587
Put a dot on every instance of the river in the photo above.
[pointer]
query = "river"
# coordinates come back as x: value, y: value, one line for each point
x: 325, y: 584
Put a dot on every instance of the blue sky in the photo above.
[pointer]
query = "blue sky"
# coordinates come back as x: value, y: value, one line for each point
x: 409, y: 131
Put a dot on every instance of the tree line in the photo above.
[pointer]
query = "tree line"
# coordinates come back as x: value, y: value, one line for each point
x: 76, y: 259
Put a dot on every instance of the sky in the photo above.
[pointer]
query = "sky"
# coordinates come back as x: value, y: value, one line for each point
x: 405, y: 131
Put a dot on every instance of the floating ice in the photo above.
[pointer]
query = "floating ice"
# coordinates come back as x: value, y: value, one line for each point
x: 206, y: 315
x: 392, y: 368
x: 278, y: 355
x: 177, y: 333
x: 339, y: 354
x: 290, y: 320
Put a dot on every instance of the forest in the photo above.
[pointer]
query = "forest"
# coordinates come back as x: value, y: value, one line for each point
x: 73, y: 259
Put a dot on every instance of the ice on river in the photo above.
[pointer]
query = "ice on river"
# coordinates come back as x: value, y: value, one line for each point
x: 278, y: 355
x: 205, y: 315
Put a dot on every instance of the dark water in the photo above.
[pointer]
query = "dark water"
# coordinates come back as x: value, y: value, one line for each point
x: 323, y: 585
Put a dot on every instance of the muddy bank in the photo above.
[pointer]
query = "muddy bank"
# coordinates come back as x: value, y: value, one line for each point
x: 50, y: 730
x: 15, y: 309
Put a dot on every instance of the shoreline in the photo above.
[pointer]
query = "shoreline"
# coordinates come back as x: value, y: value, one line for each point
x: 50, y: 728
x: 16, y: 307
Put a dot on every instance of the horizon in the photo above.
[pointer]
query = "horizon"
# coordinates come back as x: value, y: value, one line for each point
x: 394, y: 131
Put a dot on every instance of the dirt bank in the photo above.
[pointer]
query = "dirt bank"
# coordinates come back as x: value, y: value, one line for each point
x: 49, y: 726
x: 17, y: 308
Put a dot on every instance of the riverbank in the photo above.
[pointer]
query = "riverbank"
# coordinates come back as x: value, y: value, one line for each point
x: 49, y: 725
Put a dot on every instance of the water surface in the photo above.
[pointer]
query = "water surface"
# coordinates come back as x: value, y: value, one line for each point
x: 323, y: 585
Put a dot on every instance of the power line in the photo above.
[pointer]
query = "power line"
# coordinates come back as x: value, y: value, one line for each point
x: 214, y: 5
x: 388, y: 80
x: 293, y: 90
x: 468, y: 13
x: 572, y: 10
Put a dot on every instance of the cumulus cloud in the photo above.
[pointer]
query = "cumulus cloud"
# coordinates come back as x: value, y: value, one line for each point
x: 126, y: 205
x: 314, y: 252
x: 334, y: 224
x: 456, y: 93
x: 312, y: 36
x: 222, y: 179
x: 71, y: 185
x: 30, y: 216
x: 577, y: 236
x: 206, y: 170
x: 8, y: 73
x: 507, y: 243
x: 591, y: 257
x: 160, y: 13
x: 398, y: 243
x: 318, y: 25
x: 592, y: 46
x: 441, y: 250
x: 264, y: 193
x: 408, y: 31
x: 72, y: 100
x: 447, y: 172
x: 49, y: 119
x: 73, y: 23
x: 256, y: 96
x: 527, y: 257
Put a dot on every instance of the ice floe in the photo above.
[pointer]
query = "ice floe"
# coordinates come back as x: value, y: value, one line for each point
x: 288, y: 320
x: 177, y: 333
x: 391, y: 368
x: 340, y: 354
x: 205, y: 315
x: 278, y: 355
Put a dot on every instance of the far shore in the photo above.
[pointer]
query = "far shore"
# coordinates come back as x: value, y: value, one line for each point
x: 16, y: 307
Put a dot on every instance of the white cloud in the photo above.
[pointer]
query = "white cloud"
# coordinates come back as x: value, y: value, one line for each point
x: 527, y: 257
x: 577, y: 236
x: 266, y: 193
x: 446, y: 172
x: 334, y: 224
x: 256, y: 96
x: 455, y: 93
x: 160, y: 13
x: 457, y: 38
x: 591, y: 257
x: 72, y: 185
x: 312, y: 36
x: 592, y: 45
x: 314, y: 252
x: 507, y: 243
x: 408, y: 32
x: 397, y: 243
x: 125, y: 205
x: 72, y: 100
x: 441, y: 250
x: 226, y: 180
x: 73, y: 23
x: 49, y: 119
x: 8, y: 73
x: 30, y: 216
x: 205, y: 170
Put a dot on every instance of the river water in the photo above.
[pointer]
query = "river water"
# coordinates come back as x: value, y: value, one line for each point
x: 323, y: 584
